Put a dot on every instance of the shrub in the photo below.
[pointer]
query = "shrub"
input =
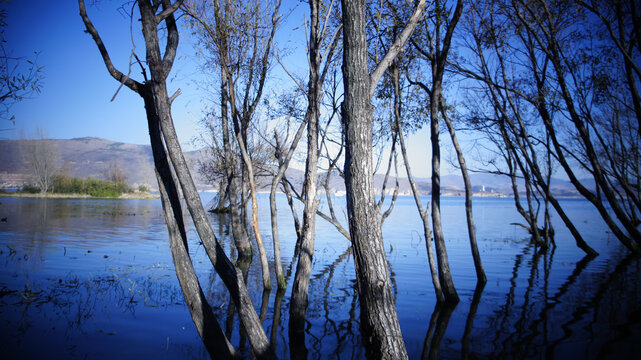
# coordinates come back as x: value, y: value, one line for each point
x: 143, y: 188
x: 89, y: 186
x: 104, y: 193
x: 30, y: 189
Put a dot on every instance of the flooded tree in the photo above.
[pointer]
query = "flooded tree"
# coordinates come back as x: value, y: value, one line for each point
x: 168, y: 156
x: 227, y: 32
x: 413, y: 100
x: 433, y: 47
x: 570, y: 91
x: 520, y: 141
x: 322, y: 43
x: 379, y: 322
x: 283, y: 157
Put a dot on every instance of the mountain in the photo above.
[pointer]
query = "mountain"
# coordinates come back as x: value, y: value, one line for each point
x: 96, y: 157
x: 82, y: 157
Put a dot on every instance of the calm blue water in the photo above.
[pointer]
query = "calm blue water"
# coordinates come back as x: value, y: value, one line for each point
x: 94, y: 279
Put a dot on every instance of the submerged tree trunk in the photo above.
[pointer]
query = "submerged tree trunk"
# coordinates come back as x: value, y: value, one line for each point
x: 379, y: 322
x: 283, y: 164
x: 444, y: 273
x: 435, y: 51
x: 252, y: 188
x: 471, y: 229
x: 299, y: 298
x: 424, y: 213
x: 215, y: 341
x: 239, y: 232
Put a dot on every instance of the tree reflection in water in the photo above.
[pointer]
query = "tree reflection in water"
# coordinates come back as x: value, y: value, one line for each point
x: 69, y: 279
x: 436, y: 331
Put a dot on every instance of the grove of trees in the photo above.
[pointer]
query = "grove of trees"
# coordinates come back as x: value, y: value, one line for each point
x: 546, y: 88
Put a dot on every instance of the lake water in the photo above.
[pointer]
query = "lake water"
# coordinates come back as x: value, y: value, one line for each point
x: 94, y: 279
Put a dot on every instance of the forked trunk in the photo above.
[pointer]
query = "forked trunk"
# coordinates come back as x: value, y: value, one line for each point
x: 381, y: 331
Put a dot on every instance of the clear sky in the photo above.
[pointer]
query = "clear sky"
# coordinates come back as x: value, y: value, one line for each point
x: 76, y: 93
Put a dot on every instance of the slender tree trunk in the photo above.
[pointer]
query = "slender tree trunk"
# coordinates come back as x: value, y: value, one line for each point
x: 299, y: 298
x: 239, y: 232
x: 427, y: 232
x: 437, y: 50
x: 445, y: 276
x: 155, y: 90
x: 471, y: 229
x: 220, y: 261
x: 249, y: 168
x: 259, y: 239
x: 211, y: 333
x: 283, y: 164
x: 379, y: 322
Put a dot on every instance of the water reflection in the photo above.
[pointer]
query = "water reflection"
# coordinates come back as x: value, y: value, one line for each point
x: 90, y: 279
x: 469, y: 322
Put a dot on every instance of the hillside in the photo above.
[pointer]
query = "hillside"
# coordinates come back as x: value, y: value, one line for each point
x: 84, y: 157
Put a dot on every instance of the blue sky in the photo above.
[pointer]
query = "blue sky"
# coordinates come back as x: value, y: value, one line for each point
x: 76, y: 93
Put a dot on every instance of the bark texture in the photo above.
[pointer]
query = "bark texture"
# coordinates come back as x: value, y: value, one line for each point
x: 379, y: 322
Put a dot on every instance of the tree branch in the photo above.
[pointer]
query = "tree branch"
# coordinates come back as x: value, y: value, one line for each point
x: 115, y: 73
x: 168, y: 10
x: 397, y: 47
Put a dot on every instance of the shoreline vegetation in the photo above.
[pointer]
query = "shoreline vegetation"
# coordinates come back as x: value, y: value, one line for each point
x: 65, y: 187
x: 125, y: 196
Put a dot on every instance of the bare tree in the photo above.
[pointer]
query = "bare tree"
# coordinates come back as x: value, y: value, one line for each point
x: 423, y: 212
x: 43, y: 158
x: 168, y: 156
x: 228, y: 31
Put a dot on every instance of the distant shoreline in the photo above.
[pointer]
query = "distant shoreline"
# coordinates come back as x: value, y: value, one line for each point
x: 143, y: 196
x: 128, y: 196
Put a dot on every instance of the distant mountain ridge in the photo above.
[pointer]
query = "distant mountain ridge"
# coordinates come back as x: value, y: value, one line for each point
x: 86, y: 157
x: 91, y: 156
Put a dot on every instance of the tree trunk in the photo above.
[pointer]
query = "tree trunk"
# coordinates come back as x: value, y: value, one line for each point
x: 249, y: 169
x: 427, y: 232
x: 211, y: 333
x: 283, y: 164
x: 298, y: 304
x: 471, y: 229
x: 445, y: 276
x: 379, y: 322
x: 225, y: 269
x: 239, y: 232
